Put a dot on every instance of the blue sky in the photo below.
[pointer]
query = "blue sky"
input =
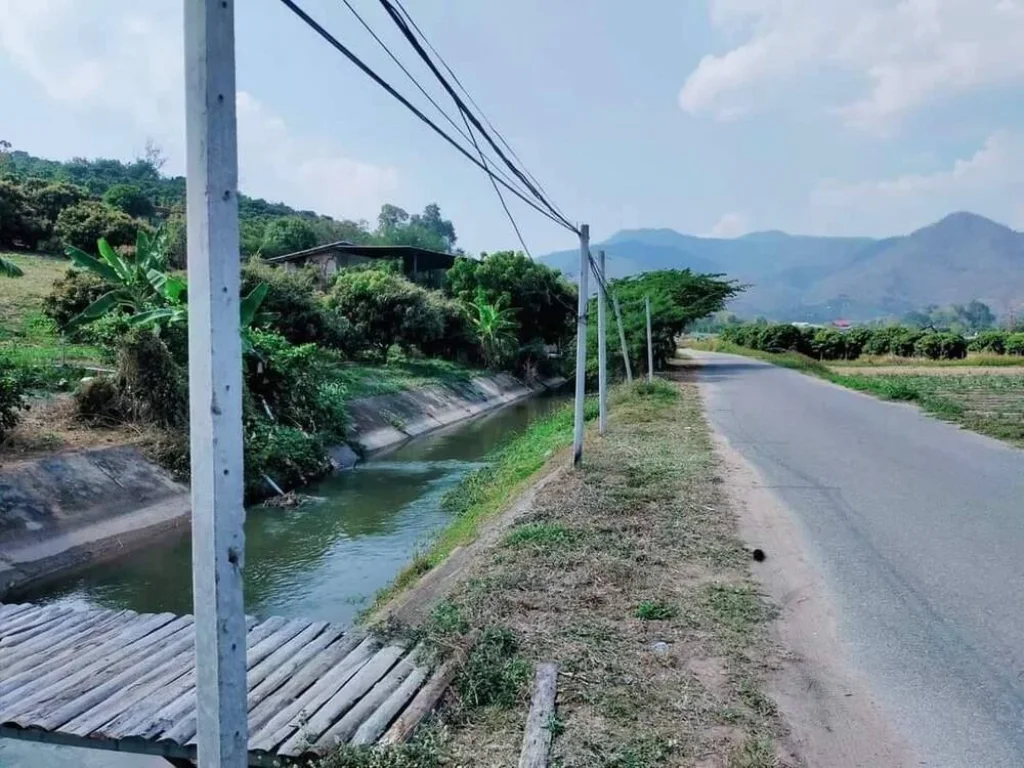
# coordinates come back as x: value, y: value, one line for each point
x: 708, y: 116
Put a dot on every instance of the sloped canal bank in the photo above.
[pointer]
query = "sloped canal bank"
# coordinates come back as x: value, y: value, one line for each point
x: 324, y: 560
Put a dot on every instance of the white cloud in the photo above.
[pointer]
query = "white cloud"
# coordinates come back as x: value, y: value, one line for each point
x: 730, y: 225
x: 125, y: 58
x: 905, y: 53
x: 986, y: 182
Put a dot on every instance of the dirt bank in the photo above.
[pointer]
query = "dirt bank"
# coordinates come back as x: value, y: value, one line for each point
x: 61, y: 511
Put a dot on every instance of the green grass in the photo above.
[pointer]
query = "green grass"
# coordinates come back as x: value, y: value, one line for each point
x: 973, y: 359
x: 365, y: 380
x: 990, y: 404
x: 655, y: 610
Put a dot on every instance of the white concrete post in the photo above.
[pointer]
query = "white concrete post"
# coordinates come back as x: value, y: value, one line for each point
x: 602, y: 361
x: 650, y: 348
x: 622, y: 338
x: 215, y: 383
x: 581, y: 345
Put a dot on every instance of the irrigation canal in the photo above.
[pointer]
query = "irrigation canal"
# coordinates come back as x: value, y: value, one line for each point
x: 322, y: 561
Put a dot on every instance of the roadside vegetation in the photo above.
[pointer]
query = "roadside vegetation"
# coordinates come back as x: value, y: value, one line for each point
x: 989, y: 402
x: 630, y: 576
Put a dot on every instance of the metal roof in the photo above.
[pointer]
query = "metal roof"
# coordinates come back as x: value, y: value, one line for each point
x: 424, y: 258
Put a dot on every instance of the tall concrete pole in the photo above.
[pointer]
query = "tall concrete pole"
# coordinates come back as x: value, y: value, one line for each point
x: 650, y: 347
x: 622, y: 338
x: 602, y: 353
x: 215, y: 383
x: 581, y: 345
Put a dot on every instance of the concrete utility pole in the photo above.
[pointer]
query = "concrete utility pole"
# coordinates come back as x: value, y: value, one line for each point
x: 581, y: 345
x: 215, y: 383
x: 622, y: 338
x: 650, y: 348
x: 602, y: 354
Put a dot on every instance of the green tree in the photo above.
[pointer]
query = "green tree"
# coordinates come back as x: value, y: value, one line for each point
x: 542, y: 301
x: 20, y: 221
x: 51, y: 199
x: 287, y: 235
x: 84, y: 224
x: 385, y: 309
x: 130, y: 199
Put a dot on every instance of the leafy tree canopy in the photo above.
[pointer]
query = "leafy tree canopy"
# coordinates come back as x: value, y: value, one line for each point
x: 130, y: 199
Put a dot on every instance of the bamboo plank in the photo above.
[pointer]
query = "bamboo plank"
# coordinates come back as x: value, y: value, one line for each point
x: 12, y: 641
x: 144, y: 713
x: 141, y: 626
x: 428, y: 695
x: 30, y: 619
x: 70, y: 646
x: 51, y: 639
x: 258, y: 651
x: 288, y: 718
x: 343, y: 730
x: 342, y: 701
x: 537, y: 734
x: 280, y: 657
x: 119, y: 651
x: 378, y: 722
x: 309, y: 670
x: 65, y: 708
x: 10, y: 610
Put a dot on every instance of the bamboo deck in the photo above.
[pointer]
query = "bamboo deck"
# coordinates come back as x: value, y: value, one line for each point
x: 126, y: 681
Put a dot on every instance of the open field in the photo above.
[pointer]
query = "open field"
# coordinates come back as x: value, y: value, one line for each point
x: 27, y: 336
x: 989, y: 400
x: 973, y: 360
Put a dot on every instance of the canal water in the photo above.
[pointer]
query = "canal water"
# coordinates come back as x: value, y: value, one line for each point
x: 323, y: 561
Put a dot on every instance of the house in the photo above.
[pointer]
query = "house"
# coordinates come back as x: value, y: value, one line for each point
x: 418, y: 264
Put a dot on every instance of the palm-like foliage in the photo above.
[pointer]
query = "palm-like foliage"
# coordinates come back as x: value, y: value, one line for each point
x: 495, y: 328
x: 9, y: 269
x: 145, y: 291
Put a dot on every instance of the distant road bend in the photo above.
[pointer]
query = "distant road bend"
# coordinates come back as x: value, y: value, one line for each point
x: 918, y: 529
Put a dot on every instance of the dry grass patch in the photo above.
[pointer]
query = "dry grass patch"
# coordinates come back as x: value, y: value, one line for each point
x: 630, y: 576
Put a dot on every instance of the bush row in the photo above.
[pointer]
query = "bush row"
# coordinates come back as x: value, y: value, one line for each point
x: 830, y: 344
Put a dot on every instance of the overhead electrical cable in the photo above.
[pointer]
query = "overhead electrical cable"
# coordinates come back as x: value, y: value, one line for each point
x: 341, y: 48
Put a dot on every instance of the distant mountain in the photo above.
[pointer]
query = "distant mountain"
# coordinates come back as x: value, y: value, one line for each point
x: 795, y: 277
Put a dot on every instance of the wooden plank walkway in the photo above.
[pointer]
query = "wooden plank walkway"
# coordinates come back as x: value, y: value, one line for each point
x: 126, y: 681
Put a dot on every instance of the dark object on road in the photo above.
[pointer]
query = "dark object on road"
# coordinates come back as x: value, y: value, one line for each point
x: 759, y: 555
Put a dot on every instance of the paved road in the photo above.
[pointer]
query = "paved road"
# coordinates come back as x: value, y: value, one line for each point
x: 918, y: 528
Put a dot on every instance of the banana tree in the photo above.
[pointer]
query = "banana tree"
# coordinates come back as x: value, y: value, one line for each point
x: 146, y: 292
x: 495, y: 328
x: 9, y: 269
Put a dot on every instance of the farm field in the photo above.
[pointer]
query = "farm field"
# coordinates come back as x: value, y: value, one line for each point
x: 990, y: 401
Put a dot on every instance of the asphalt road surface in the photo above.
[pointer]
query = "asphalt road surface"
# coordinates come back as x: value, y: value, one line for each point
x: 918, y: 529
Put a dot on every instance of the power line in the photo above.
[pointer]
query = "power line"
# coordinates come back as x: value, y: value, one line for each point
x: 400, y: 23
x: 290, y: 4
x: 461, y: 131
x: 466, y: 134
x: 469, y: 96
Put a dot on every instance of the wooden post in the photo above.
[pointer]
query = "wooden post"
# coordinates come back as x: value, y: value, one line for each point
x: 602, y: 361
x: 650, y: 348
x: 537, y: 735
x: 581, y: 345
x: 215, y: 382
x: 622, y: 338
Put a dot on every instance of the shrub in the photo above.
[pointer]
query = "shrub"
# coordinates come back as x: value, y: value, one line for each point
x: 300, y: 313
x: 1015, y: 343
x: 458, y: 340
x: 385, y: 309
x: 12, y: 390
x: 129, y: 199
x: 288, y: 455
x: 929, y: 346
x: 781, y: 337
x: 71, y: 294
x: 828, y: 344
x: 893, y: 341
x: 993, y: 342
x: 83, y: 224
x: 21, y: 223
x: 153, y: 387
x: 952, y: 346
x: 99, y: 400
x: 287, y: 235
x: 295, y: 383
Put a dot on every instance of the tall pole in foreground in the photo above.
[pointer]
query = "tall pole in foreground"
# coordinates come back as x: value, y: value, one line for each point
x: 602, y: 354
x: 622, y: 338
x: 581, y: 346
x: 215, y: 383
x: 650, y: 348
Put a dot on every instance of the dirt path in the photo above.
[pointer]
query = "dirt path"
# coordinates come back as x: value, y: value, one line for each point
x: 832, y: 716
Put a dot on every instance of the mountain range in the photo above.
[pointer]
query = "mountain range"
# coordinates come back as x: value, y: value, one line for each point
x: 798, y: 277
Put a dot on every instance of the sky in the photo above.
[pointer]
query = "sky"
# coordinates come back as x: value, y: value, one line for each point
x: 711, y: 117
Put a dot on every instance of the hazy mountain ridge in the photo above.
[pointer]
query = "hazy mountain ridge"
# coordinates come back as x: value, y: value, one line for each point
x: 803, y: 277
